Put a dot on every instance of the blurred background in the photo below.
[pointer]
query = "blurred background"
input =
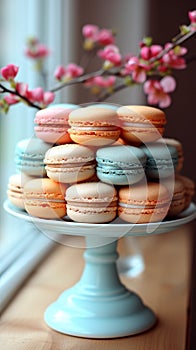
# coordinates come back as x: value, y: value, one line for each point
x: 58, y: 24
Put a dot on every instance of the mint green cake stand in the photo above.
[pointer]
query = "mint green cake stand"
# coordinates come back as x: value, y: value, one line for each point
x: 99, y: 305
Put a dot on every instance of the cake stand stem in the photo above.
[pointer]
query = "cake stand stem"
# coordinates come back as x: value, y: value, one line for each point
x: 99, y: 305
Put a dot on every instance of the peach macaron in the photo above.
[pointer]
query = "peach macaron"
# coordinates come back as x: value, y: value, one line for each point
x: 141, y: 124
x: 45, y: 198
x: 94, y: 126
x: 143, y: 203
x: 15, y: 187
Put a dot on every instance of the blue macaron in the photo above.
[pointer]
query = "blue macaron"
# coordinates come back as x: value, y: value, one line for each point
x: 29, y: 156
x: 162, y: 160
x: 120, y: 165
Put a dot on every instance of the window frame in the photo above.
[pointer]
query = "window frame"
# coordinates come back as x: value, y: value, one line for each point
x: 23, y: 247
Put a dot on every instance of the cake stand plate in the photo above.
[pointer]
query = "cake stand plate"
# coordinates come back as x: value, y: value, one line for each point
x: 99, y: 305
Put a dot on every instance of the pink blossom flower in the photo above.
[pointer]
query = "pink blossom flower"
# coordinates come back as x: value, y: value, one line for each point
x: 95, y: 36
x: 136, y: 68
x: 111, y: 54
x: 41, y: 96
x: 105, y: 37
x: 9, y: 72
x: 22, y: 88
x: 157, y: 91
x: 48, y: 97
x: 173, y: 58
x: 60, y: 72
x: 37, y: 50
x: 11, y: 99
x: 90, y: 31
x: 192, y: 16
x: 71, y: 71
x: 148, y: 52
x: 36, y: 95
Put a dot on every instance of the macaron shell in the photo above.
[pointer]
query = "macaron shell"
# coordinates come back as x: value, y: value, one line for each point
x: 94, y: 116
x: 177, y: 197
x: 15, y: 191
x: 141, y: 124
x: 16, y: 183
x: 57, y: 135
x: 96, y: 138
x: 142, y: 114
x: 30, y: 155
x: 161, y: 161
x: 91, y: 202
x: 179, y: 148
x: 44, y: 198
x: 94, y: 126
x: 71, y: 175
x: 70, y: 163
x: 120, y: 165
x: 143, y: 203
x: 135, y: 136
x: 189, y: 187
x: 52, y: 125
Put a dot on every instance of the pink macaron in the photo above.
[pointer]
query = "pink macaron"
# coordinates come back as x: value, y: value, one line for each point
x: 51, y: 124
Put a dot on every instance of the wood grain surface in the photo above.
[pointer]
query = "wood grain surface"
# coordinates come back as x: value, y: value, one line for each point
x: 164, y: 285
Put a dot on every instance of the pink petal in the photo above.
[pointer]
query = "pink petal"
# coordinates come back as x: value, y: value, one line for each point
x: 168, y: 84
x: 165, y: 101
x: 153, y: 99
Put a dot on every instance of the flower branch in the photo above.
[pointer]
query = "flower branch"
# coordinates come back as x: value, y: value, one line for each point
x: 153, y: 68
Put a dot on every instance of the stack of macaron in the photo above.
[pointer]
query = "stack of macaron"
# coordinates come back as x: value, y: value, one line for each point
x: 99, y: 162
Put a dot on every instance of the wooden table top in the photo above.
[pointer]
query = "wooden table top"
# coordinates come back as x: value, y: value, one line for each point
x: 164, y: 285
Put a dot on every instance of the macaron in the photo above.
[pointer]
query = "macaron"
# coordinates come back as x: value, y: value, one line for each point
x: 177, y: 196
x: 178, y: 145
x: 29, y: 156
x: 70, y: 163
x: 120, y: 165
x: 16, y: 183
x: 143, y: 203
x: 189, y: 187
x: 162, y: 160
x: 141, y: 124
x: 94, y: 126
x: 91, y: 202
x: 45, y: 198
x: 51, y: 124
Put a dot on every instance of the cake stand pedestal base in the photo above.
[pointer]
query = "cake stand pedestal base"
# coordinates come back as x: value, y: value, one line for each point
x: 99, y: 305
